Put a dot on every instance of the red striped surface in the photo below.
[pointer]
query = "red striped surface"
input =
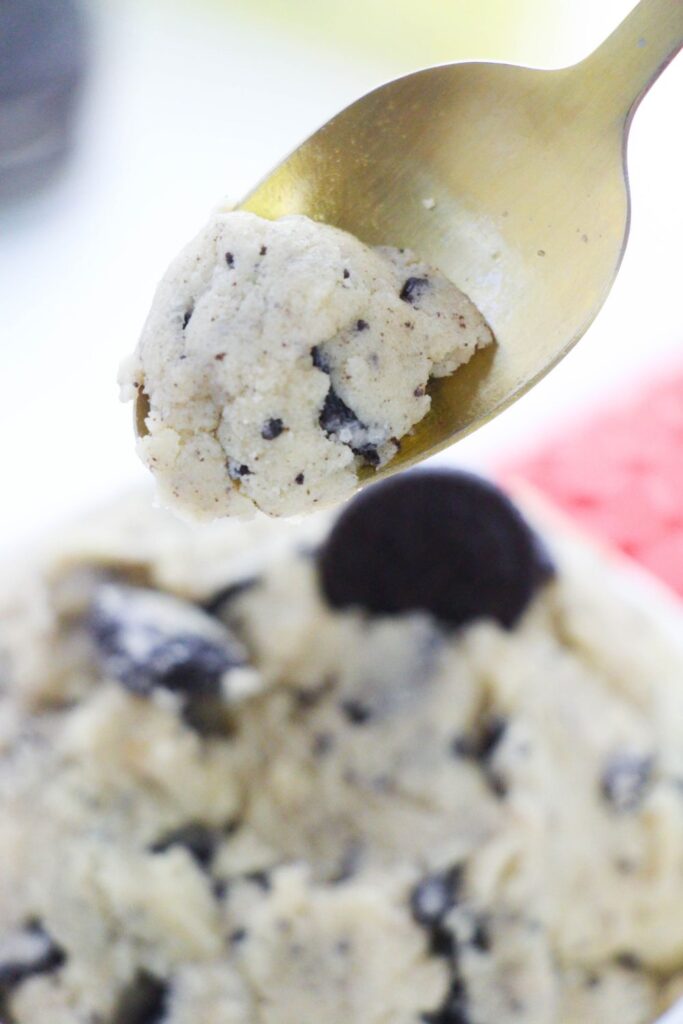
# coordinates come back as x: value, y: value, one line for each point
x: 619, y: 474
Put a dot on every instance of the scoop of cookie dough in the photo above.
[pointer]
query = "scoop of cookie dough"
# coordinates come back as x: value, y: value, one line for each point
x: 280, y: 357
x: 406, y: 817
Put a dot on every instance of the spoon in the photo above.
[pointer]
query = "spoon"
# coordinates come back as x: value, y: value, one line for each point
x: 511, y: 180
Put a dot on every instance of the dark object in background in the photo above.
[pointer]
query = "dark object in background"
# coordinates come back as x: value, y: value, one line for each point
x: 42, y: 61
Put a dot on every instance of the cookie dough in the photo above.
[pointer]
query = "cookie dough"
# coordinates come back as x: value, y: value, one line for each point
x: 281, y: 357
x: 230, y: 793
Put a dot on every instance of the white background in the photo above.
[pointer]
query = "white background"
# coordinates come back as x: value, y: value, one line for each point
x: 180, y: 111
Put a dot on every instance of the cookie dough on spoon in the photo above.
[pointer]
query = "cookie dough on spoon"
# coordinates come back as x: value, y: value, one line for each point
x: 280, y: 358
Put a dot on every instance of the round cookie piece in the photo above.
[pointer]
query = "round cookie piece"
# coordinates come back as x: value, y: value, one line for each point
x: 450, y: 543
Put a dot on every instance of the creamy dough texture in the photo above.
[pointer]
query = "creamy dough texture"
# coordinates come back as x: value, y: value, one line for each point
x: 280, y: 357
x: 377, y: 819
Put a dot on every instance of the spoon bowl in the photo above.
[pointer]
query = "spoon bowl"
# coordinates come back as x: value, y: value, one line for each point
x: 511, y: 180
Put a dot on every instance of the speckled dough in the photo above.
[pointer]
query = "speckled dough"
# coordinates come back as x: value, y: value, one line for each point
x: 390, y: 824
x: 279, y: 357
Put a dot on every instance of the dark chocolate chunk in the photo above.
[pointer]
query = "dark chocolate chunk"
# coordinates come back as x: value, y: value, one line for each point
x: 230, y: 259
x: 356, y: 711
x: 362, y: 325
x: 199, y: 840
x: 413, y: 290
x: 626, y: 780
x: 143, y: 1002
x: 446, y: 542
x: 271, y: 429
x: 236, y: 470
x: 454, y: 1008
x: 33, y: 952
x: 336, y: 418
x: 147, y: 639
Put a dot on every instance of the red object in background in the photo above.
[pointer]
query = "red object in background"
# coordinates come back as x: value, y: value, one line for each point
x: 619, y: 474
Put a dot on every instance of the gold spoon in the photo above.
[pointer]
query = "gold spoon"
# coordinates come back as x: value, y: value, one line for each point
x: 511, y: 180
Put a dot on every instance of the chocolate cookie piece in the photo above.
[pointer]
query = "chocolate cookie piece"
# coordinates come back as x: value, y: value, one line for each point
x: 446, y: 542
x: 146, y: 639
x: 26, y: 953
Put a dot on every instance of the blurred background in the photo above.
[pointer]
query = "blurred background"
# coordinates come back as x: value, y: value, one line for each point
x: 130, y: 119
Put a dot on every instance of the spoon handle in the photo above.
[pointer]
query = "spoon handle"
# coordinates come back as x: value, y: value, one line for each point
x: 623, y: 68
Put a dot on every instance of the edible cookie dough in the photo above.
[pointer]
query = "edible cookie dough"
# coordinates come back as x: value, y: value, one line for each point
x: 280, y: 357
x: 241, y: 783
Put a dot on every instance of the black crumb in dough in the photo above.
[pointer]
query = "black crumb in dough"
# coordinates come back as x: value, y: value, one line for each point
x: 236, y: 470
x: 260, y: 879
x: 481, y: 936
x: 44, y: 956
x: 447, y: 542
x: 481, y: 743
x: 347, y: 274
x: 336, y: 418
x: 187, y: 316
x: 626, y: 780
x: 434, y: 896
x: 299, y: 478
x: 369, y: 454
x: 198, y: 839
x: 143, y: 1002
x: 230, y: 259
x: 319, y: 360
x: 263, y: 250
x: 336, y: 415
x: 453, y: 1009
x: 219, y: 601
x: 629, y: 961
x: 356, y: 711
x: 146, y: 639
x: 349, y: 863
x: 362, y: 325
x: 271, y: 429
x: 413, y: 289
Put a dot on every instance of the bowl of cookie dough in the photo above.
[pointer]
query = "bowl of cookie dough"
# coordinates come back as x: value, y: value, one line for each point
x: 416, y: 761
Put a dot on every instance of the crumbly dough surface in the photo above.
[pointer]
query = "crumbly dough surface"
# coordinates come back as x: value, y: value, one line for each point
x: 280, y: 357
x: 390, y: 823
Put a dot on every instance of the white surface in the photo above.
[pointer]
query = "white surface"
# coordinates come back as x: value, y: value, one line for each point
x: 181, y: 111
x: 674, y: 1016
